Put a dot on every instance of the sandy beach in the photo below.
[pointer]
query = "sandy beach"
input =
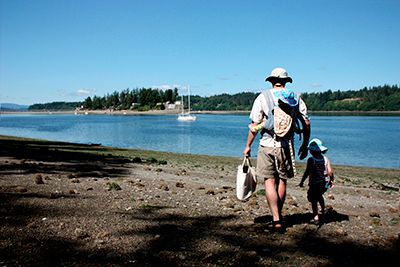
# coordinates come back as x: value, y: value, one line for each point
x: 66, y: 204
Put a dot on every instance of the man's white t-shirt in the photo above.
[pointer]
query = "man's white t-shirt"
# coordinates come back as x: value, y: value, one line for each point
x: 259, y: 111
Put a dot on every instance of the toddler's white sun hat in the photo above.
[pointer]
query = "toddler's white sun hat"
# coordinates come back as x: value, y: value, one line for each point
x: 316, y: 145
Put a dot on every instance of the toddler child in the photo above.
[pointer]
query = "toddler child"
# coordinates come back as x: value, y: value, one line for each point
x: 320, y: 175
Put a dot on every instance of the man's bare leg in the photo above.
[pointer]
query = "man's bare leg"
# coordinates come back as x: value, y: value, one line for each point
x: 272, y: 197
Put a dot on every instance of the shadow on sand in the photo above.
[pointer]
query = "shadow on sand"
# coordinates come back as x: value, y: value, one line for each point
x: 302, y: 218
x: 59, y: 157
x: 172, y: 239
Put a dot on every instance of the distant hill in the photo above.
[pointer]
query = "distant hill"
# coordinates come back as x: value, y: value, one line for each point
x: 13, y: 107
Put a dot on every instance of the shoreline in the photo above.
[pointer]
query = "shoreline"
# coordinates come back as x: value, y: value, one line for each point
x: 193, y: 156
x: 214, y: 112
x: 164, y: 155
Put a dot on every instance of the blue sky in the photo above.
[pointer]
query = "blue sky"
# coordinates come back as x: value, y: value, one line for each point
x: 65, y: 50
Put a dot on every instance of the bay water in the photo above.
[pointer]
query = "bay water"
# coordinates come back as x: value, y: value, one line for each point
x: 372, y: 141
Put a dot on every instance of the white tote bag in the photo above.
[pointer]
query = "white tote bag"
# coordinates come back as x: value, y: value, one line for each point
x: 246, y: 180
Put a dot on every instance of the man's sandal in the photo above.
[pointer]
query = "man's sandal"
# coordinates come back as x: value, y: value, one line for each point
x: 316, y: 220
x: 276, y: 226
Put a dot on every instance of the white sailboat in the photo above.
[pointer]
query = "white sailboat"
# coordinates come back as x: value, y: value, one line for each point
x: 186, y: 116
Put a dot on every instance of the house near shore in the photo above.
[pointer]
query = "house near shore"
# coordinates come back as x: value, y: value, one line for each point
x: 172, y: 106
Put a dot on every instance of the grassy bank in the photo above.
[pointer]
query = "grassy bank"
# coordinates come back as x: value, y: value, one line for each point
x: 25, y: 149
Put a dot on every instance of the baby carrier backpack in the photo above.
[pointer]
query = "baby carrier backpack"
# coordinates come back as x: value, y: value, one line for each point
x: 282, y: 121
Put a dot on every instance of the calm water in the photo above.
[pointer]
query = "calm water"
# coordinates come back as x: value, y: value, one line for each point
x: 352, y: 140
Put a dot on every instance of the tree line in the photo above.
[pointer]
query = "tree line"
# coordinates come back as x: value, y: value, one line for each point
x: 377, y: 98
x: 141, y: 99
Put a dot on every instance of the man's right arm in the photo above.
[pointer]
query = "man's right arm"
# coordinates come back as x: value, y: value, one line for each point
x: 250, y: 138
x: 256, y: 115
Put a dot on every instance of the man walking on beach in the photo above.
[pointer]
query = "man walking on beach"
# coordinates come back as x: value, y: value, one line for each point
x: 275, y: 160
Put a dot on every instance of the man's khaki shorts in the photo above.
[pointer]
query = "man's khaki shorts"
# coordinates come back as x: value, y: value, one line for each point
x: 266, y: 167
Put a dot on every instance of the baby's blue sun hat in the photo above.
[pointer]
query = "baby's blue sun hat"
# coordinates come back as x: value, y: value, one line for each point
x: 287, y: 96
x: 316, y: 145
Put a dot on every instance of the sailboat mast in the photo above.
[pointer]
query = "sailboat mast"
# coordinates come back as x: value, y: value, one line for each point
x: 182, y: 104
x: 189, y: 99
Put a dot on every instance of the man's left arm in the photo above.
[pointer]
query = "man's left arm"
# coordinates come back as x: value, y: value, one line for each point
x: 303, y: 150
x: 306, y: 126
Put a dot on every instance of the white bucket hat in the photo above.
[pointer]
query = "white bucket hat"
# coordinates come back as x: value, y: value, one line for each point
x: 279, y: 74
x: 316, y: 145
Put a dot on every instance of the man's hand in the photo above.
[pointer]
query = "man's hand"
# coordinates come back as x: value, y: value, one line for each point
x: 250, y: 139
x: 303, y: 151
x: 246, y: 151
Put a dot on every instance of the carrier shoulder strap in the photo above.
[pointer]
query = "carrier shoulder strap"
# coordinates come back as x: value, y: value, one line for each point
x: 268, y: 98
x: 269, y: 124
x: 270, y: 101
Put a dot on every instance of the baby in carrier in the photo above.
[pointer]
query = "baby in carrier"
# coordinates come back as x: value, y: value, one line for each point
x: 320, y: 175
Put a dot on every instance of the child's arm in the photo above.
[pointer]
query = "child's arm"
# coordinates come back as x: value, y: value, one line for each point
x: 306, y: 173
x: 329, y: 171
